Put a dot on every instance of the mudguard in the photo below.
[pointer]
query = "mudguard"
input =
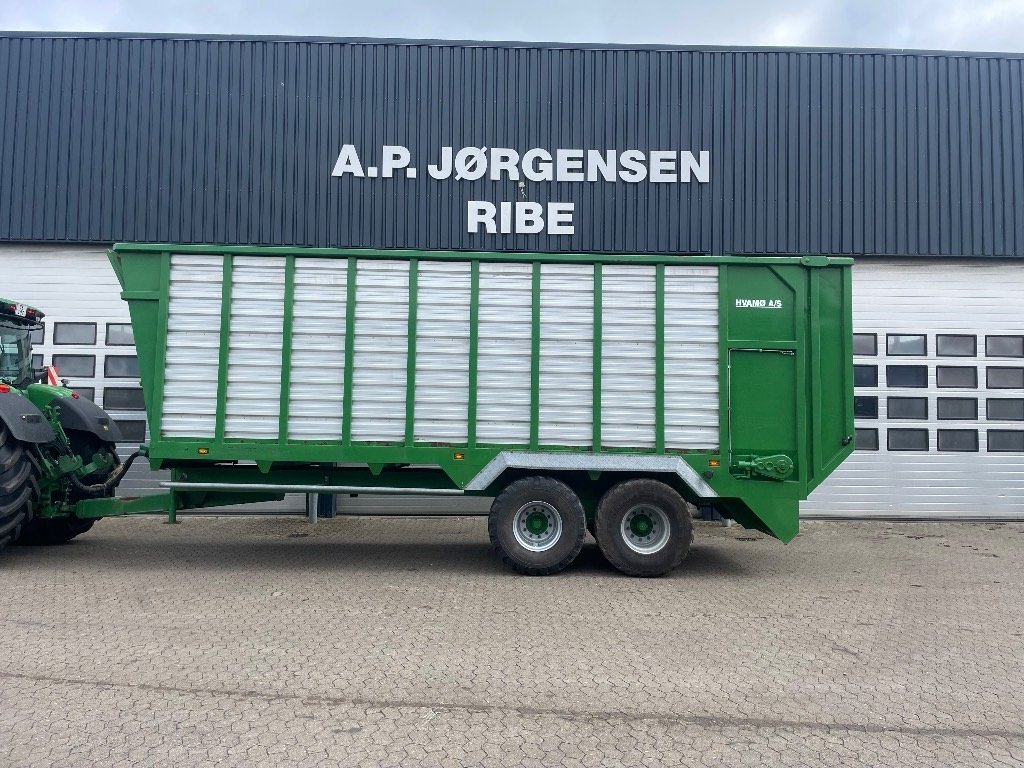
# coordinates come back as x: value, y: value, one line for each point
x: 85, y: 416
x: 24, y: 420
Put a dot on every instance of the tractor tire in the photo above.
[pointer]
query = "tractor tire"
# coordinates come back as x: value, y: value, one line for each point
x: 19, y: 486
x: 537, y: 525
x: 644, y: 527
x: 44, y: 532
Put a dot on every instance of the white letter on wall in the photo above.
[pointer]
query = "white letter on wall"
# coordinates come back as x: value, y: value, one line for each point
x: 481, y: 212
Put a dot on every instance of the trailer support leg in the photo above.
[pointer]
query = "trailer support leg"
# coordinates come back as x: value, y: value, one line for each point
x: 172, y: 509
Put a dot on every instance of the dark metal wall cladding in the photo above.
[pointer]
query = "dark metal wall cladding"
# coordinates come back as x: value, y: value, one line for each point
x: 159, y: 139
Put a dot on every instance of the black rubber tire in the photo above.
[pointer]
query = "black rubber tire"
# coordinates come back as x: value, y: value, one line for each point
x: 43, y: 532
x: 570, y: 513
x: 618, y: 502
x: 19, y: 486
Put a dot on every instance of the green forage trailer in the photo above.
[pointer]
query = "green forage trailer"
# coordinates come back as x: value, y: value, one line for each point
x: 579, y: 391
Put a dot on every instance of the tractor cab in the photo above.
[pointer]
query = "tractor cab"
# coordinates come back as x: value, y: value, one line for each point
x: 17, y: 322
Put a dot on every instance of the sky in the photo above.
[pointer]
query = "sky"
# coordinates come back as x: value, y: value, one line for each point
x: 977, y: 25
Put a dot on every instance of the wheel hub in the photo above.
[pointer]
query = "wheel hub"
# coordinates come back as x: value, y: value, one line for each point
x: 645, y: 529
x: 537, y: 526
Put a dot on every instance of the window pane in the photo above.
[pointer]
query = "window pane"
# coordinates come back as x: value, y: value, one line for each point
x: 75, y: 365
x: 865, y: 375
x: 1006, y: 378
x: 1004, y: 346
x: 957, y: 408
x: 865, y: 407
x: 89, y: 393
x: 125, y: 398
x: 37, y: 335
x: 916, y: 344
x: 906, y: 375
x: 1006, y: 440
x: 1005, y: 409
x: 866, y: 440
x: 120, y: 334
x: 37, y: 361
x: 134, y: 430
x: 956, y: 376
x: 865, y: 344
x: 908, y: 439
x: 74, y: 333
x: 958, y: 439
x: 121, y: 366
x: 908, y: 407
x: 956, y: 346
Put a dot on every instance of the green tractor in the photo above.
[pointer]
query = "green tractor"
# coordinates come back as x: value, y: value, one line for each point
x: 56, y: 448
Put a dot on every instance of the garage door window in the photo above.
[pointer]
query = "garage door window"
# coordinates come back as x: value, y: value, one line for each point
x: 948, y: 345
x: 908, y: 407
x: 134, y: 430
x: 866, y: 440
x: 957, y: 408
x: 121, y: 366
x: 908, y: 439
x: 1004, y: 346
x: 865, y: 375
x: 74, y: 333
x: 123, y: 398
x: 865, y: 407
x: 1006, y: 440
x: 958, y: 440
x: 902, y: 344
x: 956, y: 377
x: 120, y: 335
x: 76, y: 365
x: 1005, y: 378
x: 906, y: 375
x: 865, y: 344
x: 1005, y: 409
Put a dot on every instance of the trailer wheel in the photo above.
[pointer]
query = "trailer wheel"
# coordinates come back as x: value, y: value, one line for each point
x: 537, y: 524
x: 44, y: 532
x: 643, y: 527
x: 19, y: 485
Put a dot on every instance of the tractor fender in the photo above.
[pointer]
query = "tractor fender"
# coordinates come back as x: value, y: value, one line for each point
x: 24, y: 420
x: 85, y: 416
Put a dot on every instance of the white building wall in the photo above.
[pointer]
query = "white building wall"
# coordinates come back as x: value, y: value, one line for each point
x: 912, y: 298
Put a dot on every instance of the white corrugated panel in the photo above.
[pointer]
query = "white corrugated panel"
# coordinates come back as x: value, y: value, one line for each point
x: 968, y: 298
x: 691, y: 357
x: 193, y: 346
x: 253, y: 402
x: 566, y: 354
x: 442, y: 352
x: 381, y: 349
x: 628, y: 356
x: 504, y: 353
x: 317, y: 389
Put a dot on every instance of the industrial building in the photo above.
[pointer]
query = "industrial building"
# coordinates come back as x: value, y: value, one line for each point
x: 912, y: 162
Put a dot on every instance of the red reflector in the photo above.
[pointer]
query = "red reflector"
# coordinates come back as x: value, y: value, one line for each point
x: 75, y: 395
x: 4, y: 388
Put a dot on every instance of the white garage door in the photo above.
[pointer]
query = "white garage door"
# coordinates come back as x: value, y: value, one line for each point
x: 939, y: 368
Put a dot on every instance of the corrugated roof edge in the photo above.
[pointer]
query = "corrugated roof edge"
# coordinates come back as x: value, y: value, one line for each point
x: 506, y: 44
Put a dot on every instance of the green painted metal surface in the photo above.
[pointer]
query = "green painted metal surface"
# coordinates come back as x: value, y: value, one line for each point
x: 785, y: 378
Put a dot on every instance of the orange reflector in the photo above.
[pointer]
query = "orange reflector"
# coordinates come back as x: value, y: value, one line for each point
x: 203, y: 451
x: 714, y: 463
x: 460, y: 456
